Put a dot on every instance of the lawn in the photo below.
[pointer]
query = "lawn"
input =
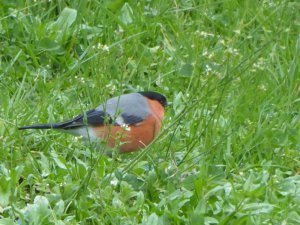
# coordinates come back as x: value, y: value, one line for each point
x: 229, y: 150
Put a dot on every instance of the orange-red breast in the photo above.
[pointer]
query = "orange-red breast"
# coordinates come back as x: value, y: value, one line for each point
x: 133, y: 119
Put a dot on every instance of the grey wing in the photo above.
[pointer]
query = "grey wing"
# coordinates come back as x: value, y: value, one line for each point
x: 126, y: 109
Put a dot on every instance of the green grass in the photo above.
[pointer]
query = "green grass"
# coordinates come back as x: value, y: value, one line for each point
x: 229, y: 152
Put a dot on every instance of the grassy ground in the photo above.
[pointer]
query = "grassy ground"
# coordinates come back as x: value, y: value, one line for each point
x: 229, y: 150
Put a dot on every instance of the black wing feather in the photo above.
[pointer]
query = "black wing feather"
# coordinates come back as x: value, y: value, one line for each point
x: 131, y: 119
x: 92, y: 117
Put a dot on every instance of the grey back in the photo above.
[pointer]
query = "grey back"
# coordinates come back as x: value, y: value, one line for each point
x: 126, y: 109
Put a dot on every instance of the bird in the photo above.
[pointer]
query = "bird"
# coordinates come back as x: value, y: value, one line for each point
x: 129, y: 122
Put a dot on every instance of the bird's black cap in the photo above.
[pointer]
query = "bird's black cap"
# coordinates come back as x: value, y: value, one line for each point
x: 155, y: 96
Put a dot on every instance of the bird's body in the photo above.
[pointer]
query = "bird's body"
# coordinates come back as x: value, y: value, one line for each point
x: 130, y: 121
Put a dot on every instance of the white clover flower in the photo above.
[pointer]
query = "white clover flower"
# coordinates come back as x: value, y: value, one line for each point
x: 259, y: 65
x: 232, y: 51
x: 126, y: 127
x: 207, y: 54
x: 114, y: 182
x: 211, y: 55
x: 112, y: 87
x: 206, y: 34
x: 208, y: 69
x: 105, y: 48
x: 119, y: 30
x: 237, y: 31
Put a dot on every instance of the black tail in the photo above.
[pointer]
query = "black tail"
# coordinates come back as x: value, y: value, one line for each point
x: 38, y: 126
x: 63, y: 125
x: 93, y: 117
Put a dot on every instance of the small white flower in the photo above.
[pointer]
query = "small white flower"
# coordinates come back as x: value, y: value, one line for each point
x: 114, y: 182
x: 205, y: 53
x: 211, y: 55
x: 206, y: 35
x: 77, y: 138
x: 208, y: 69
x: 111, y: 87
x: 105, y: 48
x: 119, y: 30
x: 260, y: 64
x: 237, y: 32
x: 262, y: 87
x: 126, y: 127
x: 232, y: 51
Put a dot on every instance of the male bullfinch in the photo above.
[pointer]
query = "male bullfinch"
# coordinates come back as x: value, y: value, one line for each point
x: 132, y: 119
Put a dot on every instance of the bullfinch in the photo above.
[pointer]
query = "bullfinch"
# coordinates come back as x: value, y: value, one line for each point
x: 130, y: 121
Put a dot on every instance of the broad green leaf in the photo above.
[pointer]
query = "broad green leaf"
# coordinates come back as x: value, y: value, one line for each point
x: 114, y: 5
x: 46, y: 44
x: 58, y: 160
x: 126, y: 14
x: 152, y: 220
x: 140, y: 199
x: 39, y: 212
x: 210, y: 220
x: 5, y: 191
x: 66, y: 19
x: 201, y: 207
x: 257, y: 208
x: 59, y: 207
x: 294, y: 217
x: 6, y: 221
x: 186, y: 70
